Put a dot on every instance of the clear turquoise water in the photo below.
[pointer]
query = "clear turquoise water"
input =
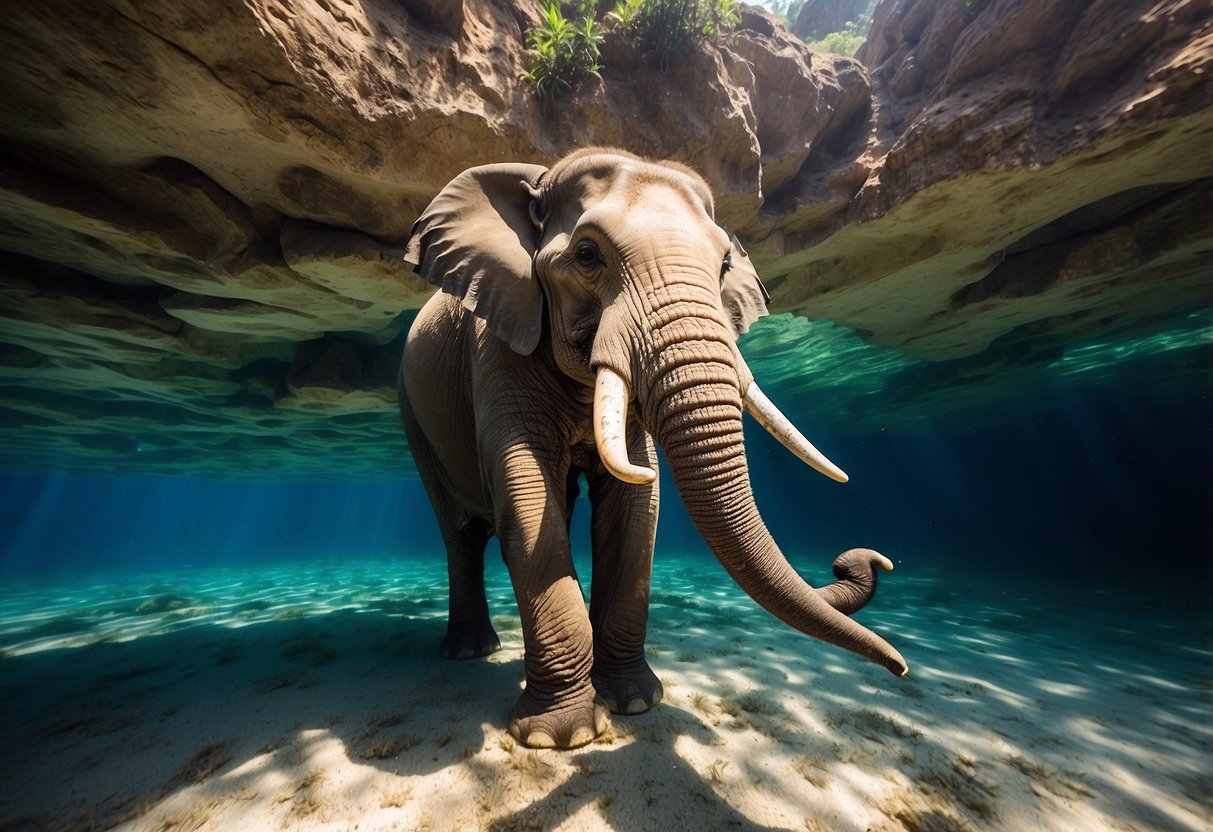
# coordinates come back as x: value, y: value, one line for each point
x: 1024, y: 700
x: 1055, y: 553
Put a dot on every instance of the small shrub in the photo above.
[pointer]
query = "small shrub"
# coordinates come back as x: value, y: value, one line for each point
x: 562, y: 50
x: 566, y: 45
x: 660, y: 29
x: 845, y: 43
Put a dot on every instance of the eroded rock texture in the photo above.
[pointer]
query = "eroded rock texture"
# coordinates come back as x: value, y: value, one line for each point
x: 202, y: 206
x: 1031, y: 163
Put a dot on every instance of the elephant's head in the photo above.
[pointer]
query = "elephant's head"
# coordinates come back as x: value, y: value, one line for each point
x: 645, y: 296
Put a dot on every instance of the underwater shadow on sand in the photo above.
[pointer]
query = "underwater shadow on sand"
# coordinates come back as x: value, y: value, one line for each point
x: 1027, y: 705
x: 109, y: 733
x: 319, y: 702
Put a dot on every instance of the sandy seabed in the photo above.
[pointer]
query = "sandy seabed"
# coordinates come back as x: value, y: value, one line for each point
x: 310, y: 697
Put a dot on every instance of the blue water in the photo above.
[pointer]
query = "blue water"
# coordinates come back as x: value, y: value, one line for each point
x: 1096, y: 489
x: 1053, y: 595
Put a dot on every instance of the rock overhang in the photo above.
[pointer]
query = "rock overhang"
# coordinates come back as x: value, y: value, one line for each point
x: 203, y: 208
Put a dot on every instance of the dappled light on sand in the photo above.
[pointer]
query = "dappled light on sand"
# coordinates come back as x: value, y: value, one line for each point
x: 312, y: 697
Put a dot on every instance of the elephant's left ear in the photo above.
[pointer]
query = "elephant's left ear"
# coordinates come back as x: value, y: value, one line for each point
x: 745, y: 298
x: 476, y: 240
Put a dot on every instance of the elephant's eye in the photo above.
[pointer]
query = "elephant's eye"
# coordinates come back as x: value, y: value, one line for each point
x: 587, y: 256
x: 725, y: 266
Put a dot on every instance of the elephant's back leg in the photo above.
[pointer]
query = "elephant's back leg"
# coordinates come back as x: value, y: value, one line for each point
x: 435, y: 396
x: 469, y: 631
x: 427, y: 400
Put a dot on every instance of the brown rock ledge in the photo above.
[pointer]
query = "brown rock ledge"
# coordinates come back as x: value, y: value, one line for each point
x: 202, y: 206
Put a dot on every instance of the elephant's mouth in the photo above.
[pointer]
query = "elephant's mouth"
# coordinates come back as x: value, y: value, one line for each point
x: 581, y: 336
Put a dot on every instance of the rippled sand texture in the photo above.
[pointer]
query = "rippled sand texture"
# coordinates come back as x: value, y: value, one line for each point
x: 312, y: 698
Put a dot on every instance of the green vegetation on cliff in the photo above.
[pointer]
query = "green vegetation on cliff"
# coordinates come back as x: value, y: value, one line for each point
x: 565, y: 46
x: 562, y: 50
x: 660, y: 29
x: 845, y: 43
x: 847, y: 40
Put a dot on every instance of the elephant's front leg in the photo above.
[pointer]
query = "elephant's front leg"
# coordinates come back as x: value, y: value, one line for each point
x: 559, y: 707
x: 623, y: 529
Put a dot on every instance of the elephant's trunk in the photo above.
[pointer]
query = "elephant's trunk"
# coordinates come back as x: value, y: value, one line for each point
x: 692, y: 405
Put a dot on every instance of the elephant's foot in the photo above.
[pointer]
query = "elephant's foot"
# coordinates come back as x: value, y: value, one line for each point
x: 631, y: 689
x: 568, y: 722
x: 469, y: 641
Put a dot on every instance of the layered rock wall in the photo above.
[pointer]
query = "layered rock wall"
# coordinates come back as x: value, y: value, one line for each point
x: 202, y: 206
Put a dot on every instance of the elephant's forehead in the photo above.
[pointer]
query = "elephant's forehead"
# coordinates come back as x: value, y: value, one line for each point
x: 644, y: 214
x: 635, y: 184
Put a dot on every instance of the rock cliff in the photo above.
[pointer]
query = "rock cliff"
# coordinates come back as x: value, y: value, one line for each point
x: 202, y: 206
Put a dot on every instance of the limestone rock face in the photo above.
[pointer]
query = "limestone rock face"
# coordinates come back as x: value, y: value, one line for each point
x: 1032, y: 162
x: 203, y: 206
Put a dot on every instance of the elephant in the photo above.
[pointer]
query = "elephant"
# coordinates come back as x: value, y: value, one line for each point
x: 588, y: 313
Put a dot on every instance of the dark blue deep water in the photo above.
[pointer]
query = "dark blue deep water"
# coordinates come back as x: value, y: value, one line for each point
x: 1097, y: 489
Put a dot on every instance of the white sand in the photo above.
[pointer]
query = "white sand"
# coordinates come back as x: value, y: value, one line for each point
x: 313, y: 700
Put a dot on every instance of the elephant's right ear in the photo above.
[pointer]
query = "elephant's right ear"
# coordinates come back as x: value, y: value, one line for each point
x: 476, y: 240
x: 744, y: 297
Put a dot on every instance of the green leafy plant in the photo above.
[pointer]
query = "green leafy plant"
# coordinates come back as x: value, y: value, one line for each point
x: 660, y: 29
x: 566, y: 44
x: 624, y: 15
x: 719, y: 16
x: 562, y: 50
x: 846, y: 42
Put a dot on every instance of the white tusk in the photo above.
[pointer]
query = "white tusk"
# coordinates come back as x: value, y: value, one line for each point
x: 611, y: 399
x: 776, y: 424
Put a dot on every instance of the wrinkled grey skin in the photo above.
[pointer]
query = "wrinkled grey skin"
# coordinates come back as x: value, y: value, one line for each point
x: 603, y: 261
